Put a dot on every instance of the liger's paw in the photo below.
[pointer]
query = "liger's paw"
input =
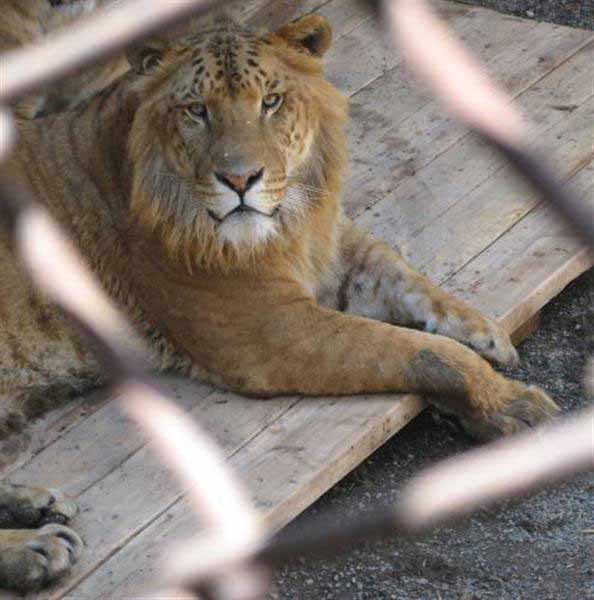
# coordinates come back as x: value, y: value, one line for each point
x: 32, y: 507
x: 492, y: 342
x: 520, y: 407
x: 34, y: 560
x: 484, y: 336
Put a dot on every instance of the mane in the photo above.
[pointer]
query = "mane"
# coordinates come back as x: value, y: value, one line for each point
x: 165, y: 202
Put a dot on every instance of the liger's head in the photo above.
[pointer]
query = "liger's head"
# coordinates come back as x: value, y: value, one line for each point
x: 238, y: 136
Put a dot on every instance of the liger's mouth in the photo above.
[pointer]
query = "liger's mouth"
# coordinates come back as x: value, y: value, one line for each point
x: 243, y: 209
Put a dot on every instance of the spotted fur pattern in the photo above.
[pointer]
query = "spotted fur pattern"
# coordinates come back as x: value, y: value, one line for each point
x: 204, y: 188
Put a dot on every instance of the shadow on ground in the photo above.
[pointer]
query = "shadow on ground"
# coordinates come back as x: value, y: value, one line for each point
x: 542, y: 548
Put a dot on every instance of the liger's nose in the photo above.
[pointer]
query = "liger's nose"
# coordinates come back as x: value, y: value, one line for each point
x: 241, y: 183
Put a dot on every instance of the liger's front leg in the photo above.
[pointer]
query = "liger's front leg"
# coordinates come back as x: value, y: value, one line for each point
x: 378, y: 283
x: 288, y: 344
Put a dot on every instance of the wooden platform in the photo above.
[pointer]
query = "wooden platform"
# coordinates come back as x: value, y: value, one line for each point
x: 422, y: 182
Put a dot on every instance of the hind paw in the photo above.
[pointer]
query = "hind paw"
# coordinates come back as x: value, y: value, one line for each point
x: 22, y: 506
x: 33, y: 560
x: 521, y: 407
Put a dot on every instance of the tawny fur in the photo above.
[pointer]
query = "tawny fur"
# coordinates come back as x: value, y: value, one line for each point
x: 147, y: 177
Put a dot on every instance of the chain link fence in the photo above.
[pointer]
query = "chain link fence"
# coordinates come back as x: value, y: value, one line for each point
x: 233, y: 556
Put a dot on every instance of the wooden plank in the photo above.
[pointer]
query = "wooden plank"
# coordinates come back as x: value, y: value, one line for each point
x: 397, y: 127
x: 50, y: 428
x: 344, y: 15
x: 355, y: 35
x: 363, y: 54
x: 274, y: 13
x: 418, y: 220
x: 286, y: 468
x: 99, y: 444
x: 480, y: 217
x: 137, y: 489
x: 386, y: 159
x: 517, y: 275
x: 526, y: 329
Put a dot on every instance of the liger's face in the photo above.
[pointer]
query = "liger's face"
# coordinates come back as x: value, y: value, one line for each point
x: 238, y: 125
x: 228, y: 142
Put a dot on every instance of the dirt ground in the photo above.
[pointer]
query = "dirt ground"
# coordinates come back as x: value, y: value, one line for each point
x: 540, y: 549
x: 575, y: 13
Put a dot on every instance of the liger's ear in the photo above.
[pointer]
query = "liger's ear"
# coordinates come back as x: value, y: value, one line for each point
x: 144, y: 59
x: 312, y: 33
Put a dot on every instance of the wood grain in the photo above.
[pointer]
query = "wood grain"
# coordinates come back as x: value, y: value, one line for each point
x: 517, y: 275
x: 392, y: 163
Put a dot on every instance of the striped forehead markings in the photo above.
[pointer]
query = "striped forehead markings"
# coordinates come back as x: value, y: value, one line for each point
x: 235, y: 59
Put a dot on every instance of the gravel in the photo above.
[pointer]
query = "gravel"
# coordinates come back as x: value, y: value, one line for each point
x: 542, y: 548
x: 576, y: 13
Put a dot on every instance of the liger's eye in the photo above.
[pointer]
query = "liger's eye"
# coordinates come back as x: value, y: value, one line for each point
x: 271, y: 102
x: 197, y: 111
